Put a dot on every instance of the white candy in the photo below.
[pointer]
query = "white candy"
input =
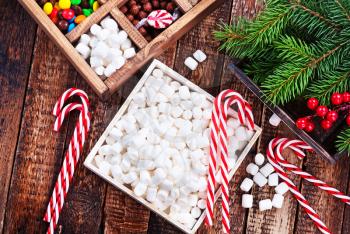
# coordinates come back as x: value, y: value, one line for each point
x: 265, y: 205
x: 129, y: 53
x: 176, y: 111
x: 110, y: 140
x: 105, y: 167
x: 200, y: 56
x: 105, y: 150
x: 184, y: 92
x: 246, y: 184
x: 259, y: 159
x: 101, y: 50
x: 99, y: 70
x: 109, y: 23
x: 93, y: 42
x: 126, y: 45
x: 162, y: 194
x: 167, y: 185
x: 125, y: 164
x: 140, y: 189
x: 277, y: 201
x: 252, y: 169
x: 201, y: 204
x: 95, y: 29
x: 110, y: 69
x: 85, y: 39
x: 274, y: 120
x: 151, y: 194
x: 83, y: 49
x: 116, y: 172
x: 104, y: 34
x: 95, y: 61
x: 167, y: 90
x: 157, y: 73
x: 119, y: 62
x: 282, y: 188
x: 267, y: 169
x: 191, y: 63
x: 187, y: 219
x: 241, y: 134
x: 187, y: 114
x: 259, y: 179
x: 233, y: 123
x: 123, y: 36
x: 207, y: 113
x: 130, y: 177
x: 273, y: 179
x: 197, y: 112
x: 247, y: 201
x: 159, y: 176
x: 195, y: 212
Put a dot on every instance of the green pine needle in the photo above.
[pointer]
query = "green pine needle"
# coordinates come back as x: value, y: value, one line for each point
x: 343, y: 141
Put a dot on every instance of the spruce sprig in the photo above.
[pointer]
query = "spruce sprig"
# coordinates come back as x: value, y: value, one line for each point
x: 343, y: 141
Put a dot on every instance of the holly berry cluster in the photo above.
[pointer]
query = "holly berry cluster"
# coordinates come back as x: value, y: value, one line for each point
x: 340, y: 102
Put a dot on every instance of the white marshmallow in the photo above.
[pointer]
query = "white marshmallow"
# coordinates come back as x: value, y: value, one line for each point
x: 207, y: 113
x: 99, y: 70
x: 85, y: 39
x: 275, y: 120
x: 93, y: 42
x: 162, y: 194
x: 125, y: 164
x: 265, y: 205
x: 103, y: 34
x: 123, y: 36
x: 233, y: 123
x: 105, y: 150
x: 259, y: 179
x: 119, y: 62
x: 197, y: 112
x: 259, y: 159
x: 110, y: 140
x: 282, y: 188
x: 195, y: 212
x: 273, y: 179
x: 157, y: 73
x: 117, y: 172
x: 187, y: 114
x: 140, y: 189
x: 241, y: 134
x: 151, y: 194
x: 246, y: 184
x: 201, y: 204
x: 130, y: 177
x: 109, y: 23
x: 247, y: 201
x: 277, y: 201
x: 167, y: 185
x: 200, y: 56
x: 105, y: 167
x: 95, y: 61
x: 191, y: 63
x: 267, y: 169
x: 167, y: 90
x: 159, y: 176
x: 101, y: 50
x: 129, y: 53
x: 110, y: 69
x: 83, y: 50
x: 184, y: 92
x: 126, y: 45
x: 95, y: 29
x: 252, y: 169
x: 176, y: 111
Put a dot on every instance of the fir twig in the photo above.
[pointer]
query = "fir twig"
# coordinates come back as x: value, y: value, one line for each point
x: 343, y: 141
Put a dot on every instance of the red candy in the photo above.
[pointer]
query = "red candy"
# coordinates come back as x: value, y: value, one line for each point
x: 68, y: 14
x: 346, y: 97
x: 309, y: 127
x: 332, y: 116
x: 321, y: 111
x: 301, y: 123
x: 312, y: 103
x: 326, y: 124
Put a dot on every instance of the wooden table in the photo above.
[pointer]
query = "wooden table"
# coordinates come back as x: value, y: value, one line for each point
x: 33, y: 73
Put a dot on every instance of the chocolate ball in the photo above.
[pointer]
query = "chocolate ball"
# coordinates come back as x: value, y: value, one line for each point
x: 170, y: 7
x: 63, y: 25
x: 142, y: 15
x: 135, y: 22
x: 144, y: 1
x: 155, y: 4
x: 148, y: 38
x: 131, y: 3
x: 147, y: 7
x: 124, y: 9
x: 85, y: 4
x: 130, y: 17
x: 135, y: 9
x: 143, y: 31
x: 163, y: 4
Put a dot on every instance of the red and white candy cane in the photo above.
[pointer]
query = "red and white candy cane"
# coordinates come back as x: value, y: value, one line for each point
x: 274, y: 155
x: 219, y: 145
x: 72, y: 155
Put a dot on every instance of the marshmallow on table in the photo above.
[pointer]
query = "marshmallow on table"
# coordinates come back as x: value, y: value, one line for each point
x: 273, y: 179
x: 247, y: 184
x: 265, y: 205
x: 247, y: 201
x: 200, y: 56
x: 267, y: 169
x: 85, y: 39
x: 259, y: 159
x: 260, y: 179
x: 191, y: 63
x: 277, y: 201
x: 83, y: 49
x: 274, y: 120
x: 252, y: 169
x: 282, y: 188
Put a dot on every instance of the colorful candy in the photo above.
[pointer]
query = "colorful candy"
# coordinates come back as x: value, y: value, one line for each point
x: 67, y: 14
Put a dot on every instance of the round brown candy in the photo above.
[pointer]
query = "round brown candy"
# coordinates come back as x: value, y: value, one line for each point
x: 170, y: 7
x: 147, y: 7
x: 142, y: 15
x: 148, y: 38
x: 63, y: 25
x: 143, y: 31
x: 135, y: 22
x: 124, y: 9
x: 155, y: 4
x: 85, y: 4
x: 130, y: 17
x: 131, y: 3
x: 77, y: 10
x: 163, y: 4
x: 144, y: 1
x: 135, y: 9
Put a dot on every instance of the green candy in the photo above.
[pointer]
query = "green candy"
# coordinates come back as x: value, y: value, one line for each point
x: 87, y: 12
x: 75, y: 2
x: 91, y: 2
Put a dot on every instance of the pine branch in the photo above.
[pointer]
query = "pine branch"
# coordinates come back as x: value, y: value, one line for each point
x: 338, y: 11
x: 343, y: 141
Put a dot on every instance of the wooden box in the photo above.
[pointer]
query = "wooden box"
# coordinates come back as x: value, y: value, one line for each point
x: 321, y: 142
x: 89, y: 160
x: 146, y: 50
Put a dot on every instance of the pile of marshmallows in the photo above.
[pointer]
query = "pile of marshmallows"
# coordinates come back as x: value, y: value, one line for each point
x: 107, y: 47
x: 261, y: 177
x: 160, y: 147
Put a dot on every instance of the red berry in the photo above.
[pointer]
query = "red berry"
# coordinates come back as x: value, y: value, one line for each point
x: 348, y: 120
x: 312, y: 103
x: 310, y: 126
x: 346, y: 97
x: 336, y: 99
x: 332, y: 116
x: 321, y: 111
x: 301, y: 123
x: 326, y: 124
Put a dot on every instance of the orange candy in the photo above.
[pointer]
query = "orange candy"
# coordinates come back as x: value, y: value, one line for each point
x: 79, y: 19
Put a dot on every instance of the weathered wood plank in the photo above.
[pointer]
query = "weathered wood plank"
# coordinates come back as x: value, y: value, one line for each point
x: 346, y: 217
x: 15, y: 58
x: 330, y: 209
x: 39, y: 151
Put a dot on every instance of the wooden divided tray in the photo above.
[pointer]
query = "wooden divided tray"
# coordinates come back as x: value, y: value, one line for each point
x: 321, y: 142
x: 146, y: 50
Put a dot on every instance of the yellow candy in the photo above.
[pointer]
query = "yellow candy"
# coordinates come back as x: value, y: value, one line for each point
x: 57, y: 6
x: 48, y: 8
x: 95, y: 5
x: 79, y: 19
x: 64, y: 4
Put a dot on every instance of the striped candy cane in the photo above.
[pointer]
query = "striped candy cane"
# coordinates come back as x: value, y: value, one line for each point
x: 218, y: 143
x: 274, y: 154
x: 72, y: 155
